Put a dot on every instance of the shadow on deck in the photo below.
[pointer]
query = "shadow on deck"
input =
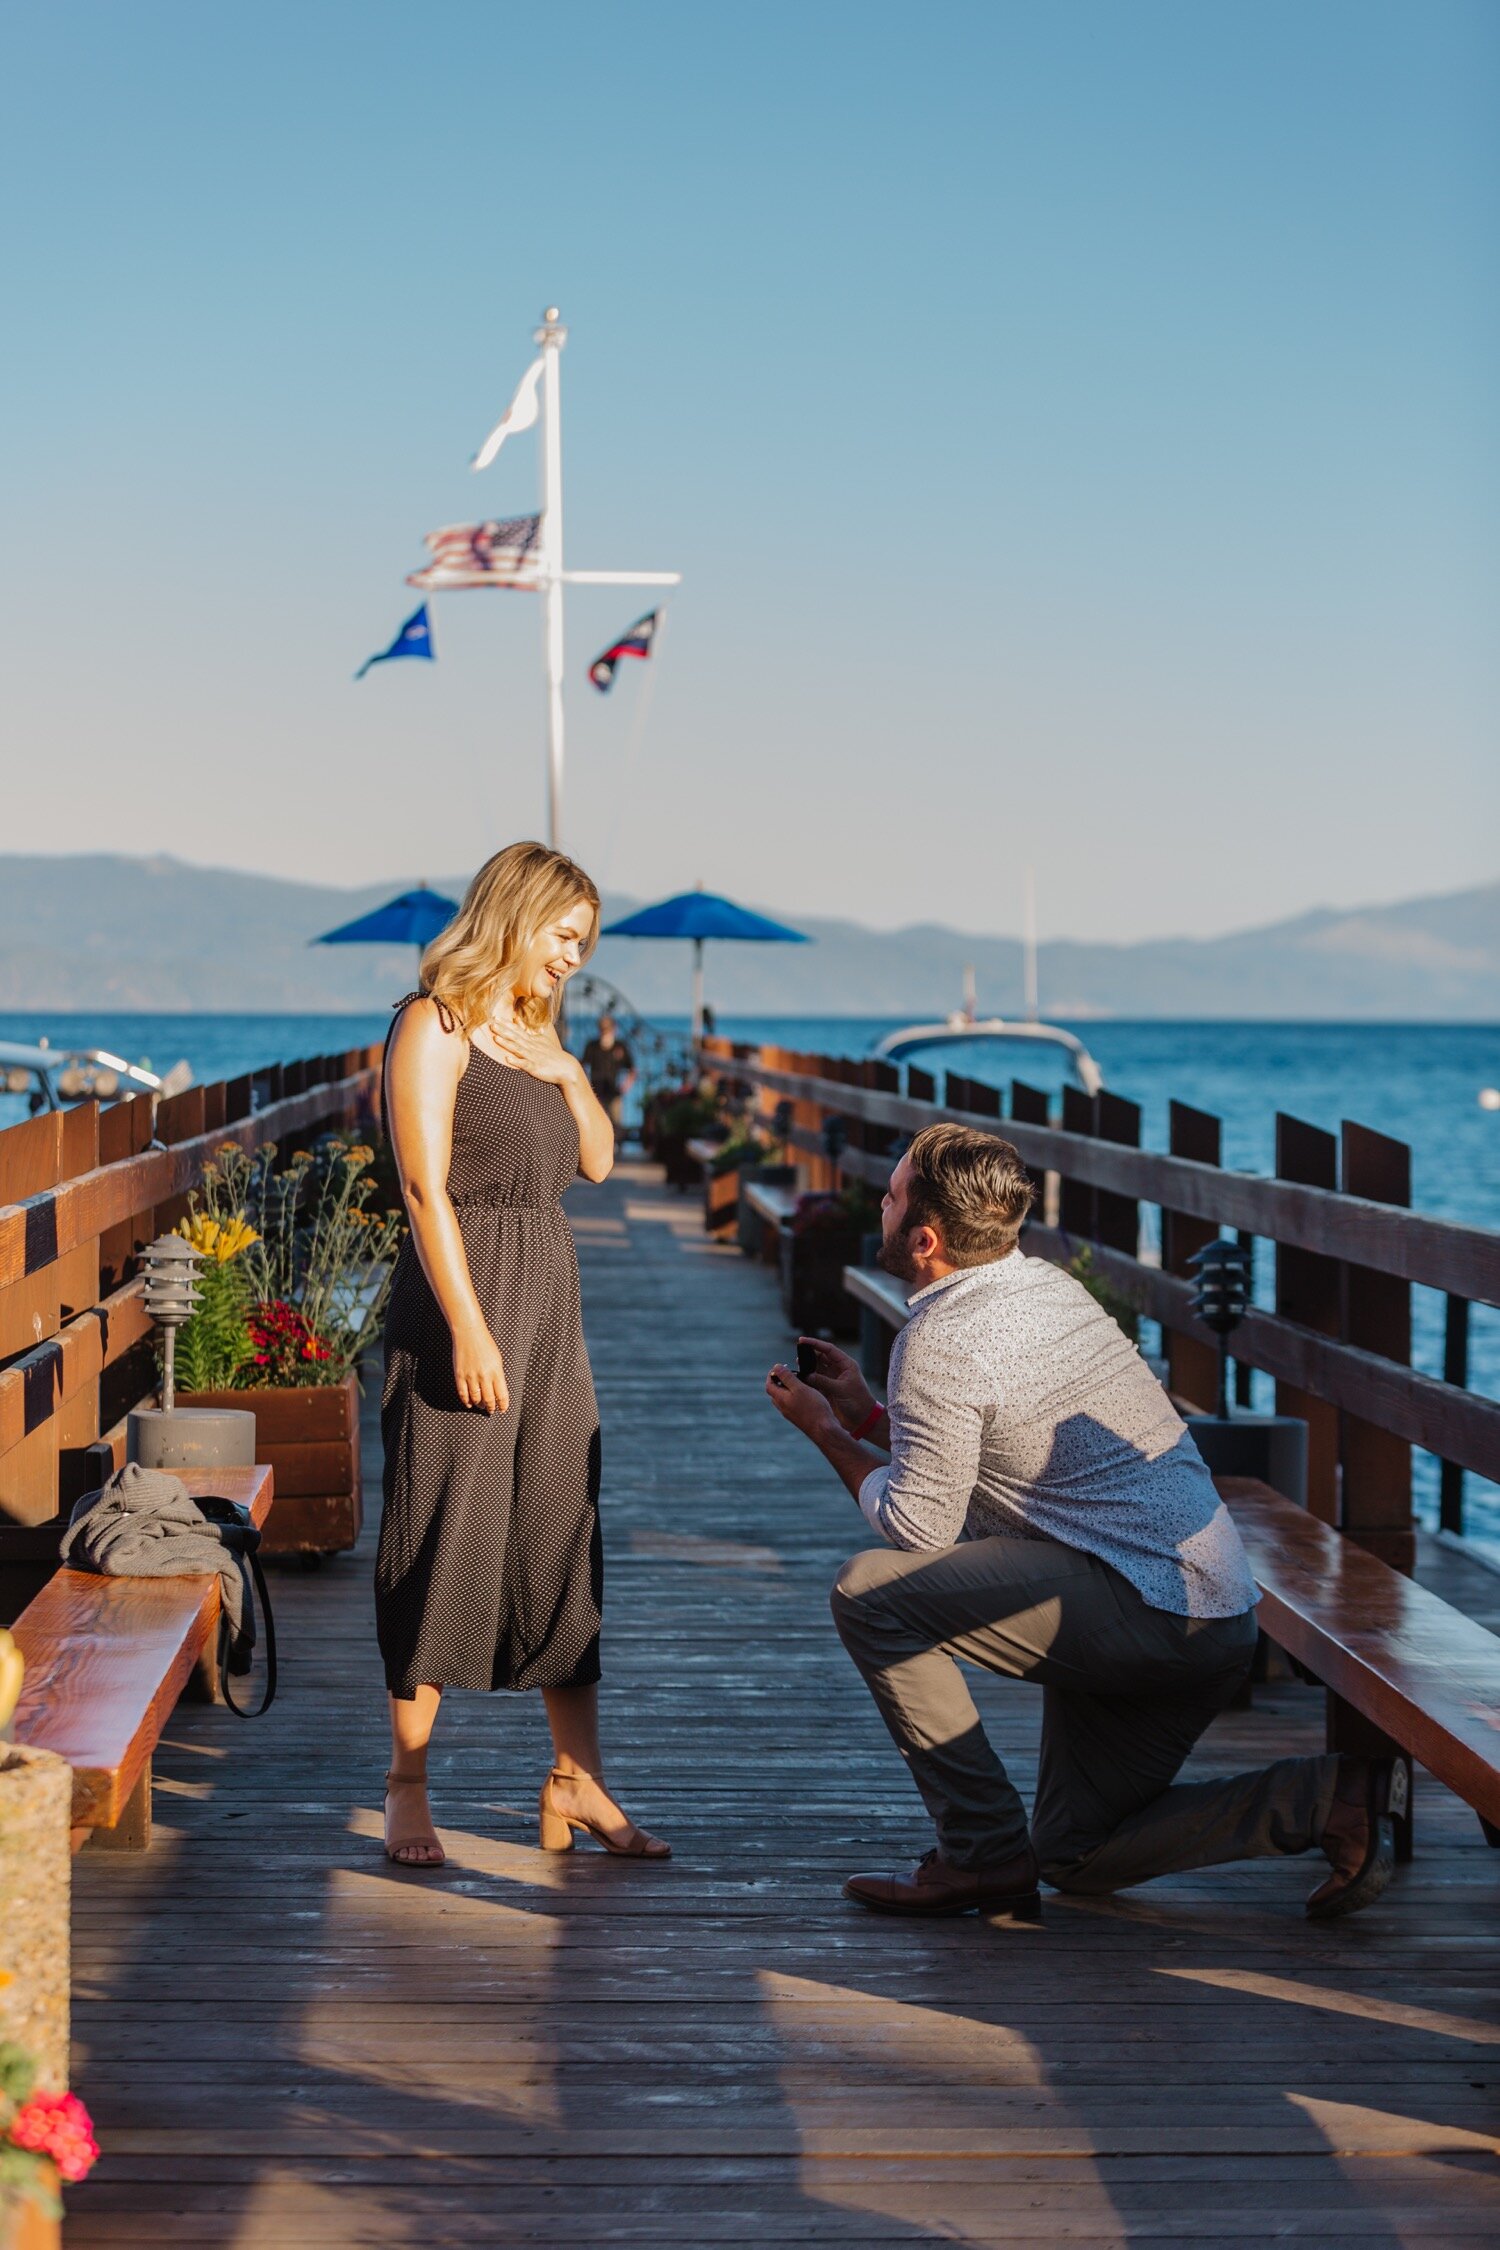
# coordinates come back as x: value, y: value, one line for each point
x: 288, y: 2042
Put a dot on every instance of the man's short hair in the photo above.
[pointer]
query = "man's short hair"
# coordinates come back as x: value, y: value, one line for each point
x: 972, y: 1187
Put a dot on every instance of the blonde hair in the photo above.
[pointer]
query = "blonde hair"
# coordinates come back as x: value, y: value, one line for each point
x: 972, y: 1187
x: 514, y: 896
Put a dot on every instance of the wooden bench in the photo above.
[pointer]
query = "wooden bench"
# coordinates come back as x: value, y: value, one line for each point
x: 106, y: 1659
x: 1401, y: 1668
x: 774, y: 1207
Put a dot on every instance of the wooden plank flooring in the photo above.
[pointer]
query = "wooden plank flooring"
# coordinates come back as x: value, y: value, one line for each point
x: 288, y: 2042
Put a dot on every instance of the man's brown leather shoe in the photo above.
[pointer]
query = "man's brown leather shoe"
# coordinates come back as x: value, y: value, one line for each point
x: 1359, y: 1839
x: 1007, y: 1889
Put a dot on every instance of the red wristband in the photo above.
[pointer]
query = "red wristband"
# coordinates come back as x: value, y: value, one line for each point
x: 867, y: 1424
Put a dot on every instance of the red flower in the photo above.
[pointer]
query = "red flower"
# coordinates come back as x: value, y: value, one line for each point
x: 57, y: 2125
x: 285, y: 1340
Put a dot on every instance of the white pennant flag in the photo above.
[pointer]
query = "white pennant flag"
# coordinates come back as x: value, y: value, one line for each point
x: 519, y: 415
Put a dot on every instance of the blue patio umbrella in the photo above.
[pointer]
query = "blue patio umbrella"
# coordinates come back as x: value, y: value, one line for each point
x: 412, y: 919
x: 698, y: 915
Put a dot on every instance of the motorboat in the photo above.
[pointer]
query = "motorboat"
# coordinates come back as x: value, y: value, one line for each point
x: 965, y: 1027
x: 52, y: 1077
x: 897, y: 1046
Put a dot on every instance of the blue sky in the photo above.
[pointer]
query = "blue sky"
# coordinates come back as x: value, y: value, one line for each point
x: 1074, y: 423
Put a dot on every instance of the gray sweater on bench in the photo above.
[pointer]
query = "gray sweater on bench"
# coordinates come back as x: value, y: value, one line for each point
x: 145, y: 1524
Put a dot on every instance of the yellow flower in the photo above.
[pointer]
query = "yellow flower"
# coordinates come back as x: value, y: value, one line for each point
x: 359, y: 1218
x: 360, y: 1155
x: 220, y: 1240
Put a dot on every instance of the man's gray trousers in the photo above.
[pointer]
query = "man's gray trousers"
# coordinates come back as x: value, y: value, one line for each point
x: 1127, y: 1692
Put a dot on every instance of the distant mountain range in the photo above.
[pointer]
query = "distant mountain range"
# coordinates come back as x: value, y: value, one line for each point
x: 111, y: 933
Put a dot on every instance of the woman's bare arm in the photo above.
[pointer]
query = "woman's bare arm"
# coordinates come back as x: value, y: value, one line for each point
x: 423, y: 1067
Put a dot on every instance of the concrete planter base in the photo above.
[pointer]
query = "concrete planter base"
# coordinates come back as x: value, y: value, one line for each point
x: 36, y: 1875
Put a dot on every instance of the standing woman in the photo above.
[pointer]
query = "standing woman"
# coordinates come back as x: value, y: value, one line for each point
x: 490, y: 1572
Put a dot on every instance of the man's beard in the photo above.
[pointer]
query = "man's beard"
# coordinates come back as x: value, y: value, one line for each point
x: 895, y: 1257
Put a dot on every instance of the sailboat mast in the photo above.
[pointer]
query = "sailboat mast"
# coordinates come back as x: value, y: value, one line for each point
x: 552, y: 336
x: 1029, y: 948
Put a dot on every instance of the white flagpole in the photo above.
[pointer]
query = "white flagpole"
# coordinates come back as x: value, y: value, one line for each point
x: 552, y: 336
x: 550, y: 575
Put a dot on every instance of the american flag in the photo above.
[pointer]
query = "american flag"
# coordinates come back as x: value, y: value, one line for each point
x: 481, y: 554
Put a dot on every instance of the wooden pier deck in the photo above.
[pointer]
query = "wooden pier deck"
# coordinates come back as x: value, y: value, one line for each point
x: 287, y: 2042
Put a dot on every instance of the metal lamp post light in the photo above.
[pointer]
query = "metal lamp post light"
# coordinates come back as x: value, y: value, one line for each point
x: 170, y: 1271
x: 169, y: 1436
x: 1272, y: 1447
x: 1221, y: 1299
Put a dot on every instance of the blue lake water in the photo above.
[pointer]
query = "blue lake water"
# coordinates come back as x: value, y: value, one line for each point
x: 1420, y: 1083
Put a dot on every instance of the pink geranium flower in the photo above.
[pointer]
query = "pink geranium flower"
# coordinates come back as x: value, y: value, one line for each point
x: 57, y: 2125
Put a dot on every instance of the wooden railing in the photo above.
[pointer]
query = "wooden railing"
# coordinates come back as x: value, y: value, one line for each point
x: 81, y: 1192
x: 1347, y: 1251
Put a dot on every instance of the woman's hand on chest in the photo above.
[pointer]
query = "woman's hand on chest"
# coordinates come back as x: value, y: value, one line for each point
x: 540, y: 1053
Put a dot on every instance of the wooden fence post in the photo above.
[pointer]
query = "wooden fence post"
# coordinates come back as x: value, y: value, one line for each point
x: 1377, y: 1317
x: 1117, y: 1218
x: 1077, y: 1200
x: 1308, y: 1291
x: 1455, y: 1371
x: 1193, y: 1366
x: 879, y: 1078
x: 1029, y: 1106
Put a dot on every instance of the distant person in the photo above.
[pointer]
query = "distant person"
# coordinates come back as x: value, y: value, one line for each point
x: 611, y: 1069
x: 706, y: 1022
x: 1048, y: 1517
x: 489, y: 1573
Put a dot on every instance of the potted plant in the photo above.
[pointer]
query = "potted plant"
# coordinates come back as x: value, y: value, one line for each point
x: 825, y: 1234
x: 43, y: 2135
x: 674, y: 1119
x: 296, y: 1274
x: 44, y: 2138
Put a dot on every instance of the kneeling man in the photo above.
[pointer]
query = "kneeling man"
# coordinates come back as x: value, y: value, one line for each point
x: 1047, y: 1516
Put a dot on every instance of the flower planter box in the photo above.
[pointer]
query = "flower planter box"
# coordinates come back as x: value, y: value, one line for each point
x: 24, y: 2225
x: 721, y: 1190
x: 310, y: 1437
x: 721, y: 1201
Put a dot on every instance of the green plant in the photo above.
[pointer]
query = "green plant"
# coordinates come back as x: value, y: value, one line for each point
x: 1120, y: 1309
x: 686, y: 1115
x: 742, y: 1147
x: 214, y: 1345
x: 324, y: 1250
x: 297, y: 1267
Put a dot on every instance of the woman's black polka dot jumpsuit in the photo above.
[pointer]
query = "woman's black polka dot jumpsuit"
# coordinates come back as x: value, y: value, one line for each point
x: 489, y: 1573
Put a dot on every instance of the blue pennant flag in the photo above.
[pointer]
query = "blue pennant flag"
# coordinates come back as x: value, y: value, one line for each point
x: 414, y: 639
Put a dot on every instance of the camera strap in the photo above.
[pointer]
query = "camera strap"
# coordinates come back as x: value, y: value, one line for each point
x: 229, y: 1521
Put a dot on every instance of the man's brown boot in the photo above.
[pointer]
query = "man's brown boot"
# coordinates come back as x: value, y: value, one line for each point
x: 1008, y: 1888
x: 1359, y: 1839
